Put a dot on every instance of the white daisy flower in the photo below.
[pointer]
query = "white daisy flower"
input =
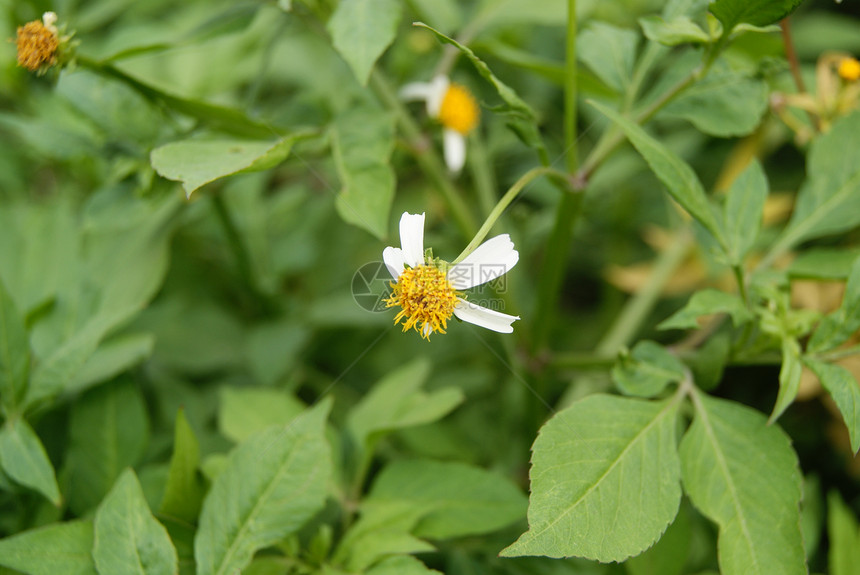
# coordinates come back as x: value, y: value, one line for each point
x: 428, y: 290
x: 455, y: 108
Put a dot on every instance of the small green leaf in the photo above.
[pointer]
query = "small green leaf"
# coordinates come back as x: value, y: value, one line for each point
x: 609, y: 52
x: 708, y: 302
x: 14, y: 353
x: 60, y: 548
x: 835, y: 328
x: 183, y: 493
x: 592, y: 464
x: 679, y: 30
x: 710, y: 361
x: 196, y: 163
x: 742, y: 213
x: 272, y: 484
x: 23, y: 458
x: 112, y: 358
x: 397, y: 401
x: 743, y: 474
x: 679, y: 178
x: 244, y: 411
x: 647, y: 370
x: 362, y: 140
x: 789, y: 378
x: 843, y: 388
x: 401, y: 565
x: 823, y: 264
x: 361, y: 30
x: 128, y: 539
x: 843, y: 556
x: 756, y: 12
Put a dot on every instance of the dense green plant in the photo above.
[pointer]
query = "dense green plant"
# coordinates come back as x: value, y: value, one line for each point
x: 199, y: 366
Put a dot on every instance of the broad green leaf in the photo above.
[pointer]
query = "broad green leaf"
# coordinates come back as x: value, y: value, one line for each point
x: 835, y: 328
x: 592, y: 464
x: 647, y: 370
x: 273, y: 483
x: 679, y: 30
x: 397, y: 401
x: 128, y: 539
x: 845, y: 391
x: 401, y: 565
x: 108, y: 431
x: 743, y: 474
x: 756, y: 12
x: 823, y: 264
x: 708, y: 302
x: 667, y: 556
x: 843, y: 556
x: 609, y: 52
x: 829, y: 200
x: 14, y: 353
x: 183, y: 493
x: 742, y: 213
x: 112, y: 358
x: 382, y: 534
x: 244, y: 411
x: 23, y: 458
x: 811, y: 514
x: 273, y: 349
x: 679, y: 178
x: 361, y: 30
x: 196, y: 163
x: 789, y: 378
x: 362, y: 140
x: 59, y: 548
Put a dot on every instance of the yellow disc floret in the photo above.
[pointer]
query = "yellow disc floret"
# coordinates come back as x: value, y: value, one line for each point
x: 849, y: 69
x: 37, y: 45
x: 426, y: 297
x: 459, y: 111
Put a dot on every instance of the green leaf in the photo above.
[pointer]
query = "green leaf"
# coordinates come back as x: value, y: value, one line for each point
x: 679, y: 178
x: 108, y: 431
x: 667, y: 556
x: 196, y: 163
x: 273, y: 349
x: 678, y: 30
x: 609, y: 52
x: 843, y: 556
x: 835, y: 328
x: 743, y: 474
x: 756, y: 12
x: 361, y: 30
x: 397, y: 401
x: 707, y: 302
x: 242, y: 412
x: 401, y: 565
x: 710, y: 361
x: 823, y: 264
x: 742, y: 213
x: 273, y: 483
x: 647, y: 370
x: 112, y: 358
x: 843, y: 388
x: 362, y: 140
x: 591, y: 465
x: 60, y: 548
x: 14, y: 353
x: 128, y: 539
x: 23, y: 458
x: 789, y: 378
x: 829, y: 201
x: 494, y: 13
x: 183, y: 493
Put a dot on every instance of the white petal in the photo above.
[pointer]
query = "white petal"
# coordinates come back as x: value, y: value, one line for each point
x: 454, y: 144
x: 412, y: 238
x: 493, y: 258
x: 484, y: 317
x: 393, y: 258
x: 416, y: 91
x: 427, y: 330
x: 436, y: 94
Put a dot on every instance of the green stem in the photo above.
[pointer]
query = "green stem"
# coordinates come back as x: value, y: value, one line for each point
x: 426, y: 158
x: 503, y: 203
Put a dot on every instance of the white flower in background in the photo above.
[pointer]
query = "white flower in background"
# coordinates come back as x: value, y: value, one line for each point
x: 428, y: 290
x: 454, y: 107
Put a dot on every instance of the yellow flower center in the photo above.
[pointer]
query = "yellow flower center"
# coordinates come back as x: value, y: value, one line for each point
x: 849, y: 69
x: 37, y: 45
x: 459, y: 111
x: 426, y: 298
